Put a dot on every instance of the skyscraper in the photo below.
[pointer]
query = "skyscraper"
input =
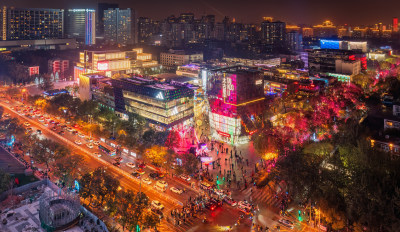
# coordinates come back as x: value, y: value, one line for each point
x: 31, y: 24
x: 101, y: 7
x: 117, y: 26
x: 273, y: 33
x: 81, y: 24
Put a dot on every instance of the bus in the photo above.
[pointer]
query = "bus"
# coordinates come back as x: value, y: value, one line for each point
x: 107, y: 149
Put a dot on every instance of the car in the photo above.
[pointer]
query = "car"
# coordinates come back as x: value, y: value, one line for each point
x: 70, y: 129
x: 96, y: 143
x: 118, y: 159
x: 61, y: 133
x: 153, y: 175
x: 286, y: 223
x: 39, y: 131
x: 117, y: 164
x: 185, y: 177
x: 244, y: 204
x: 52, y: 121
x: 147, y: 181
x: 6, y: 115
x: 29, y: 129
x: 211, y: 205
x: 81, y: 135
x: 78, y: 142
x: 88, y: 139
x: 97, y: 154
x: 157, y: 212
x: 41, y: 120
x: 140, y: 171
x: 142, y: 165
x: 27, y: 124
x: 54, y: 129
x: 162, y: 183
x: 89, y: 145
x: 130, y: 164
x: 136, y: 174
x: 157, y: 205
x: 176, y: 190
x: 230, y: 201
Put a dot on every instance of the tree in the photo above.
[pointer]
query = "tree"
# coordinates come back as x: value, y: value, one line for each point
x: 5, y: 180
x: 47, y: 83
x: 47, y: 152
x: 172, y: 140
x: 67, y: 168
x: 190, y: 163
x: 156, y: 154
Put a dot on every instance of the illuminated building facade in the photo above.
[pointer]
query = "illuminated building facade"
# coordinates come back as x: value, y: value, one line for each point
x: 179, y: 57
x: 273, y: 34
x: 117, y: 26
x: 325, y: 30
x: 164, y: 105
x: 324, y: 60
x: 236, y: 98
x: 101, y: 7
x: 344, y: 45
x: 105, y: 62
x: 395, y: 24
x: 81, y: 25
x: 31, y: 24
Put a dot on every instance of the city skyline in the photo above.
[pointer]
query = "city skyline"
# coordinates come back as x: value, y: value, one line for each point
x: 308, y: 12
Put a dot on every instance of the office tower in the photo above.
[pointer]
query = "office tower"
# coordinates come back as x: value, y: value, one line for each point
x: 31, y: 24
x: 395, y: 24
x: 273, y: 33
x: 101, y: 7
x: 81, y: 25
x: 186, y: 18
x: 117, y: 26
x: 294, y: 41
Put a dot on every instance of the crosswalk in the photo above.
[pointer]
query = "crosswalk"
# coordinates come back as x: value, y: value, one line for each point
x: 261, y: 196
x: 170, y: 226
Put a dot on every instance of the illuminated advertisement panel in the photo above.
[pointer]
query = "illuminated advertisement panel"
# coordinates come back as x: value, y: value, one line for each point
x: 103, y: 66
x: 329, y: 44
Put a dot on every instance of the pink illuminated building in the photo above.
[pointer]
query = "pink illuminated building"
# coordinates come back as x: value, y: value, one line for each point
x: 236, y: 99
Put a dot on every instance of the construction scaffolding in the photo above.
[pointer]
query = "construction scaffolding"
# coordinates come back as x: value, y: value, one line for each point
x: 59, y: 211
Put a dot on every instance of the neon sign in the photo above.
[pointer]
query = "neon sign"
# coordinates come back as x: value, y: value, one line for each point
x: 160, y: 96
x: 227, y: 87
x: 259, y: 82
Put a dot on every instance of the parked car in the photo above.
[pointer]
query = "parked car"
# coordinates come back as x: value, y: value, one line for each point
x: 176, y: 190
x: 136, y: 174
x: 117, y: 164
x: 97, y: 154
x: 89, y: 145
x: 78, y: 142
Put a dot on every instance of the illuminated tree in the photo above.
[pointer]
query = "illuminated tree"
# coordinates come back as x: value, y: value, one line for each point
x: 156, y: 154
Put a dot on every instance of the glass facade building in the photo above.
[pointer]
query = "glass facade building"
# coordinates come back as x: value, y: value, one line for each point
x: 162, y: 104
x: 31, y: 24
x: 81, y: 24
x: 117, y: 26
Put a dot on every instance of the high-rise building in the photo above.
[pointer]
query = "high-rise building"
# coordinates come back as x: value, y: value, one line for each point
x: 294, y: 40
x: 273, y: 33
x: 81, y: 24
x: 31, y: 24
x: 117, y: 26
x: 101, y: 7
x: 395, y: 24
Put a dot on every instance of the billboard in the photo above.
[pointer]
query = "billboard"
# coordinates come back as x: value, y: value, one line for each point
x: 103, y: 66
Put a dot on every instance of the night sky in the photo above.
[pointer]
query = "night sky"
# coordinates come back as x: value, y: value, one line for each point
x: 353, y: 12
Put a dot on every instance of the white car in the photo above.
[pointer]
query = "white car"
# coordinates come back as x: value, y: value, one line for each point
x: 130, y: 164
x: 27, y: 124
x: 6, y: 115
x: 176, y: 190
x: 185, y: 177
x: 89, y: 145
x: 41, y: 120
x: 147, y: 181
x: 97, y: 154
x: 157, y: 205
x: 87, y: 138
x: 96, y: 143
x: 81, y: 135
x: 162, y: 183
x: 78, y: 142
x: 70, y: 129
